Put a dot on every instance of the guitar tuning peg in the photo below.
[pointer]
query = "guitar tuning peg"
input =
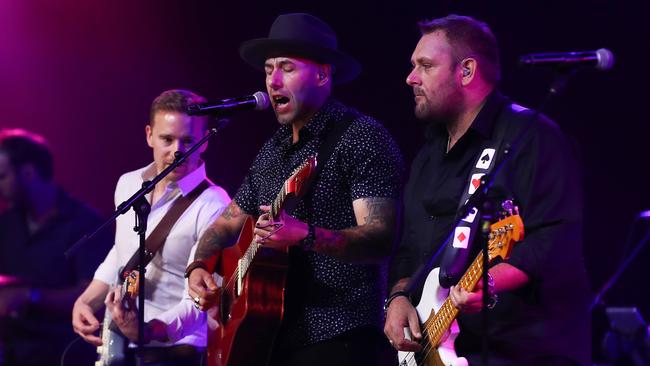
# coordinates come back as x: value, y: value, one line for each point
x: 509, y: 207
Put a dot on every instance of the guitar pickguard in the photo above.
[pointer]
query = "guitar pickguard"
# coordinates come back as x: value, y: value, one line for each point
x: 433, y: 296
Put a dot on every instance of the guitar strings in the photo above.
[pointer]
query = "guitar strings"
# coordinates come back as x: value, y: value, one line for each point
x: 434, y: 326
x: 253, y: 247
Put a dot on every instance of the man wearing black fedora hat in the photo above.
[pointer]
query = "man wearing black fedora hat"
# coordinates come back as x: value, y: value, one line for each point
x: 341, y: 233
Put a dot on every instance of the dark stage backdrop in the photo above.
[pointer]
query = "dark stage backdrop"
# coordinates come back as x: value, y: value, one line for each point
x: 83, y: 74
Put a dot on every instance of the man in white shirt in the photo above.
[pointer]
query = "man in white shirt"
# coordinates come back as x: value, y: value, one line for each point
x: 175, y: 331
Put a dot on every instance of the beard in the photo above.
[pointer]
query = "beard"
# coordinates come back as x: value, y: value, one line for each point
x: 284, y: 119
x: 441, y: 108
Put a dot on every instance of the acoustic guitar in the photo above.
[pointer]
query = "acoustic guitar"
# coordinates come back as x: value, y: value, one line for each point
x: 250, y: 305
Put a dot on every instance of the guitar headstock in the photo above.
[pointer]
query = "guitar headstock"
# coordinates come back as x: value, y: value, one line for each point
x: 505, y: 232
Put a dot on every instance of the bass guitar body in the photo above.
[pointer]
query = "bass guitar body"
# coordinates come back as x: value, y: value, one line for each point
x: 444, y: 354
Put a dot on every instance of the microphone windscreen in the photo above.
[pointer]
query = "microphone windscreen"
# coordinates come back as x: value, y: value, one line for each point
x: 605, y: 59
x: 262, y: 100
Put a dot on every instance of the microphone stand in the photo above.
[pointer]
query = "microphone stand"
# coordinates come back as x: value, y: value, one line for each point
x: 141, y: 206
x: 478, y: 199
x: 623, y: 265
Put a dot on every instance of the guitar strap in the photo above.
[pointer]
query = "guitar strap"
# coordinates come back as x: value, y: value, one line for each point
x: 456, y: 255
x: 330, y: 137
x: 158, y: 236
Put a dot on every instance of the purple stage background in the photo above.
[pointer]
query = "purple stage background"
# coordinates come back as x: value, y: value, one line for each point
x: 83, y: 74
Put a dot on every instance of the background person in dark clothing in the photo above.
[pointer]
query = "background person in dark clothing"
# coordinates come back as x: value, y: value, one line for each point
x: 39, y: 225
x: 541, y: 316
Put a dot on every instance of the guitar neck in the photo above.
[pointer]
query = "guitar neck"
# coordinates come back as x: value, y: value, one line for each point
x: 503, y: 235
x: 246, y: 259
x: 438, y: 324
x: 278, y: 203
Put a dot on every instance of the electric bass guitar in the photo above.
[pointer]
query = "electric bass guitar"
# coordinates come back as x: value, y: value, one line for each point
x: 440, y: 328
x: 112, y: 352
x: 250, y: 305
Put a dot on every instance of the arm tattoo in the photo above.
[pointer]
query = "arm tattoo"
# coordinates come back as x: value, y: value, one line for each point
x: 209, y: 244
x: 218, y: 235
x: 365, y: 243
x: 379, y: 210
x: 232, y: 211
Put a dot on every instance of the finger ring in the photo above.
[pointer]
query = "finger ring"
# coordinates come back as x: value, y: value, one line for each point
x: 197, y: 300
x: 197, y: 305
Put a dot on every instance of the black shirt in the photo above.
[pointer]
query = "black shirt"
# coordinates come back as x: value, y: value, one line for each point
x: 325, y: 296
x: 38, y: 336
x: 549, y: 315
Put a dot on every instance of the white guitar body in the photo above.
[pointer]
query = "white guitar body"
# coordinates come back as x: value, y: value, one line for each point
x: 433, y: 296
x: 112, y: 350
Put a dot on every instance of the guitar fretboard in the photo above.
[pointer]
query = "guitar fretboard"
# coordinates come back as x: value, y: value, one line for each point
x: 245, y: 261
x: 437, y: 325
x: 293, y: 185
x: 235, y: 283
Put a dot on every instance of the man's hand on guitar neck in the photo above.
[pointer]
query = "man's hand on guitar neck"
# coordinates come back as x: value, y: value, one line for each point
x: 467, y: 302
x: 506, y: 277
x: 126, y: 318
x: 280, y: 233
x: 401, y: 314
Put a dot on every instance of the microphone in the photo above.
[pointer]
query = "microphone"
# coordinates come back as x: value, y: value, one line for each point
x: 602, y: 59
x: 257, y: 101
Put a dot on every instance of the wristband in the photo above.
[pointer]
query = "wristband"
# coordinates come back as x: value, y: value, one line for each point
x: 308, y: 242
x: 492, y: 295
x: 194, y: 265
x: 393, y: 296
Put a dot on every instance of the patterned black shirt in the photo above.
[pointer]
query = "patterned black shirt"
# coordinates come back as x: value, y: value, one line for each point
x: 325, y: 296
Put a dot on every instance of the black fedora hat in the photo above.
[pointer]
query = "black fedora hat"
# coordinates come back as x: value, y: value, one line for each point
x: 301, y: 35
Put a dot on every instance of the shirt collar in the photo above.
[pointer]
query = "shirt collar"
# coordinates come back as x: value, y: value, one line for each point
x: 185, y: 184
x: 314, y: 127
x: 483, y: 122
x: 486, y: 118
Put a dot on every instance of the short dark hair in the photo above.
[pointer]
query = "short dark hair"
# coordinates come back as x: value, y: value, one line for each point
x: 469, y: 38
x: 176, y: 100
x: 23, y: 147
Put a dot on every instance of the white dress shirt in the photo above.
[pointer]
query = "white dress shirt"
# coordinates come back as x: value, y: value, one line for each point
x: 166, y: 296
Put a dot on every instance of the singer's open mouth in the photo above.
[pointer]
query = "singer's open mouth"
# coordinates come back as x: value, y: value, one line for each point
x: 280, y: 100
